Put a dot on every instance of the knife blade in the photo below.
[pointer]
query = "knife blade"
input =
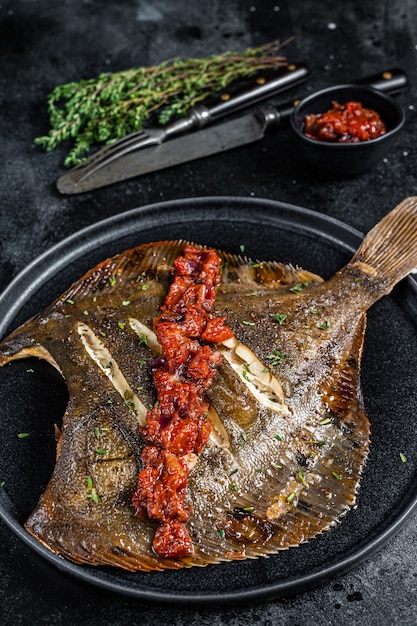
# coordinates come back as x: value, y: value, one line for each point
x: 205, y: 142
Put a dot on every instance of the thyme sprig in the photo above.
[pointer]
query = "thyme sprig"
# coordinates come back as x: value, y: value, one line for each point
x: 101, y: 110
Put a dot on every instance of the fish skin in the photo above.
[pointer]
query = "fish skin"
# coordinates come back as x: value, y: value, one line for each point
x: 283, y: 478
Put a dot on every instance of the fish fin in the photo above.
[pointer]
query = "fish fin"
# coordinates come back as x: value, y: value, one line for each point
x: 251, y: 274
x: 389, y: 251
x: 156, y: 258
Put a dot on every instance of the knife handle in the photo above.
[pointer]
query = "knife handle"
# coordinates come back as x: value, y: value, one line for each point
x: 389, y: 81
x: 263, y: 88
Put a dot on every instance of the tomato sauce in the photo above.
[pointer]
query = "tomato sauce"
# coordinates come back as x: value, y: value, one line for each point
x: 177, y: 428
x: 344, y: 123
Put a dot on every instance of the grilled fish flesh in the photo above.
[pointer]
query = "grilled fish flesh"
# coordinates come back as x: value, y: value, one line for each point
x: 289, y: 435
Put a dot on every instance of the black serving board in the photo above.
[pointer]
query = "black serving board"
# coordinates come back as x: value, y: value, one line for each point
x: 32, y: 401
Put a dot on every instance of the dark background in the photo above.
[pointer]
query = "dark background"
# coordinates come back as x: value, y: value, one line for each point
x: 43, y: 44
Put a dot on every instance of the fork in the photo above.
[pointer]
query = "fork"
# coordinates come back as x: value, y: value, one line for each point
x: 198, y: 117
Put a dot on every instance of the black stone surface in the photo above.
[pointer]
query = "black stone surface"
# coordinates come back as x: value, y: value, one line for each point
x: 43, y: 44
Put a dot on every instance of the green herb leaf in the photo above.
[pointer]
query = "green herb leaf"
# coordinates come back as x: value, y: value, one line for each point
x: 279, y: 317
x: 23, y: 435
x: 325, y: 325
x: 326, y: 420
x: 276, y: 357
x: 403, y: 457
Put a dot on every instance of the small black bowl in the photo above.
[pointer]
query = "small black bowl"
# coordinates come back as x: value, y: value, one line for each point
x: 347, y: 159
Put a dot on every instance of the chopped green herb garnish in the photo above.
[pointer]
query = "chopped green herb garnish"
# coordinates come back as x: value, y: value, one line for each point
x: 85, y: 312
x: 93, y: 495
x: 315, y: 312
x: 221, y: 534
x: 101, y: 451
x: 23, y: 435
x: 112, y: 280
x: 277, y: 437
x: 336, y: 475
x: 249, y: 509
x: 291, y: 498
x: 234, y: 471
x: 69, y: 301
x: 143, y: 339
x: 3, y: 482
x: 327, y: 420
x: 259, y: 470
x: 276, y: 357
x: 125, y: 302
x: 325, y: 325
x: 301, y: 476
x: 233, y: 487
x: 276, y: 465
x: 403, y: 457
x: 145, y: 287
x: 298, y: 287
x: 279, y: 317
x: 121, y: 325
x: 247, y: 323
x: 242, y: 248
x: 30, y: 371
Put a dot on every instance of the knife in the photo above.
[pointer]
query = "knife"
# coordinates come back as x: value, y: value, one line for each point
x: 220, y: 105
x: 220, y: 137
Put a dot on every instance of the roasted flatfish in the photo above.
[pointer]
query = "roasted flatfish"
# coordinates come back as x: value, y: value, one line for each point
x: 289, y: 435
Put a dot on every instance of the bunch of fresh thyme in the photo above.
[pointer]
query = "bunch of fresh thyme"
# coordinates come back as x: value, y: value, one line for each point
x: 103, y: 109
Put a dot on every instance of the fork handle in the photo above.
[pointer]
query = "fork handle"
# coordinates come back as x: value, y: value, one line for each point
x: 261, y: 89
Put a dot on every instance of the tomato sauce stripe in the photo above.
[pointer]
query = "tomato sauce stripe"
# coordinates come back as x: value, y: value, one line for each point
x: 177, y: 428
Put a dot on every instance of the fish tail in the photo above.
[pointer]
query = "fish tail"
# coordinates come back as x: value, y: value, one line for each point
x: 389, y: 251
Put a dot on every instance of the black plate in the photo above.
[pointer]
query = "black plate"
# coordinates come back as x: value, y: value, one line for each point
x: 33, y: 401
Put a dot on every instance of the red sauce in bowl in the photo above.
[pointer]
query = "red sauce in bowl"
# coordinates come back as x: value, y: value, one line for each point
x: 344, y: 123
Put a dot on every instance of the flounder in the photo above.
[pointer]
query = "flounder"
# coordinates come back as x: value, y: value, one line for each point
x: 289, y: 434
